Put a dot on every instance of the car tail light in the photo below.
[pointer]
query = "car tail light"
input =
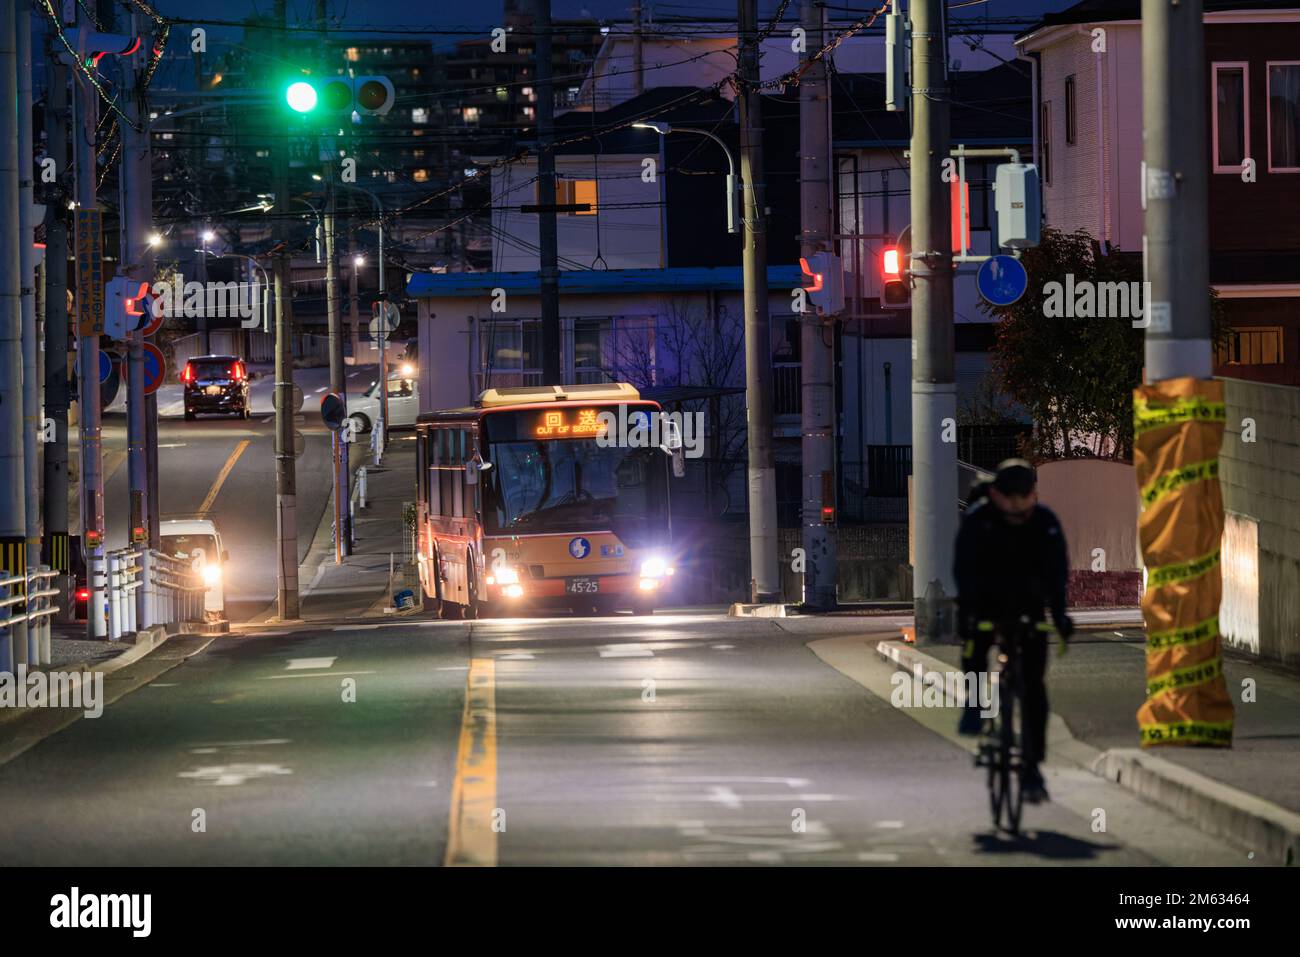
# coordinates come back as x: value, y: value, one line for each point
x: 83, y: 594
x: 237, y: 372
x: 187, y: 376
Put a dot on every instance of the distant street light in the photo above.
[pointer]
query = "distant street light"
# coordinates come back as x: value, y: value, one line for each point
x: 663, y: 129
x: 155, y: 240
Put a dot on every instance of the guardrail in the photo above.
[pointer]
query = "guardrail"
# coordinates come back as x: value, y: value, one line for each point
x: 173, y: 589
x: 31, y: 625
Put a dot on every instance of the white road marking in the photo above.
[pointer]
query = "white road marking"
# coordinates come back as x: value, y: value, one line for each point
x: 356, y: 627
x: 626, y: 651
x: 877, y: 857
x: 765, y: 857
x: 173, y: 445
x: 726, y: 797
x: 516, y: 656
x: 889, y: 824
x: 226, y: 775
x: 321, y: 389
x: 318, y: 674
x: 723, y: 647
x: 789, y: 782
x: 243, y: 744
x: 302, y: 664
x: 453, y: 668
x: 159, y: 684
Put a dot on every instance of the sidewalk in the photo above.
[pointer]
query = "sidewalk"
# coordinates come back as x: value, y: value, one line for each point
x: 1249, y: 792
x: 359, y: 586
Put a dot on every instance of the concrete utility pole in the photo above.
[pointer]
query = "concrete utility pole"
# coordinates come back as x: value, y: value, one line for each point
x: 136, y: 204
x: 765, y: 575
x: 338, y: 374
x: 13, y: 524
x: 547, y: 237
x: 27, y: 236
x: 55, y: 486
x: 817, y: 333
x: 286, y: 483
x: 86, y: 115
x: 934, y: 390
x: 1176, y: 222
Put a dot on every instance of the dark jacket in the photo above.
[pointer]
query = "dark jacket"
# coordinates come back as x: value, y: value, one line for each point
x: 1004, y: 570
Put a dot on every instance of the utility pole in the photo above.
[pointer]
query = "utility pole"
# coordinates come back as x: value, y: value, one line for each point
x: 934, y: 390
x: 286, y: 514
x: 136, y: 205
x: 547, y: 238
x: 816, y: 333
x: 1176, y: 222
x: 27, y: 255
x: 334, y: 319
x: 354, y: 306
x: 765, y: 576
x: 13, y: 525
x: 86, y: 113
x: 638, y: 67
x: 55, y: 486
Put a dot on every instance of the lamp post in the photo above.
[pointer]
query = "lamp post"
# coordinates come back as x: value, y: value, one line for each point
x: 663, y: 129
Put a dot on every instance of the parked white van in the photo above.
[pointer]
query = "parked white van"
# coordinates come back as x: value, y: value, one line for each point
x: 198, y: 540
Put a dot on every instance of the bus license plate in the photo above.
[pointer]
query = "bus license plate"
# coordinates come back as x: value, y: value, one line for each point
x: 581, y: 586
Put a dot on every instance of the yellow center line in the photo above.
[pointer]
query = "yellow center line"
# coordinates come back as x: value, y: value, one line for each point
x: 471, y: 834
x: 221, y: 477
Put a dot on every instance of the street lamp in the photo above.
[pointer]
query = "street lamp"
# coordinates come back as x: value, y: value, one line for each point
x: 154, y: 240
x: 379, y: 208
x: 663, y: 129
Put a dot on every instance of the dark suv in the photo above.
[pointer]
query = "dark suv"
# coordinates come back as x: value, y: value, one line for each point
x: 216, y: 384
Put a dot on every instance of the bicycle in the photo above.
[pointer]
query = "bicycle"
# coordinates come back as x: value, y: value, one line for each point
x: 1000, y: 749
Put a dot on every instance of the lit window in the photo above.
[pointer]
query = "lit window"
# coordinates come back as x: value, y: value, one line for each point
x: 1284, y: 116
x: 353, y: 54
x: 527, y: 93
x: 529, y: 112
x: 470, y: 113
x: 1231, y: 119
x: 502, y: 93
x: 572, y: 192
x: 419, y: 115
x: 420, y: 175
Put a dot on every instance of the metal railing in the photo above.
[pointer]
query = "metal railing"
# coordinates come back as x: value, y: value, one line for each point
x: 32, y: 623
x: 174, y: 589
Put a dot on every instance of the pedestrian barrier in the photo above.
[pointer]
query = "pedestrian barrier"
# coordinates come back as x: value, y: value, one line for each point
x: 26, y: 613
x: 144, y: 587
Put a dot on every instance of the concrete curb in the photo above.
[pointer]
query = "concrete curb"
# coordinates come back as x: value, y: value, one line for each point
x: 1273, y: 832
x: 741, y: 610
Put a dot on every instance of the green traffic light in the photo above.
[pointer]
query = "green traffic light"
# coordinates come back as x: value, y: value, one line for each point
x: 301, y: 97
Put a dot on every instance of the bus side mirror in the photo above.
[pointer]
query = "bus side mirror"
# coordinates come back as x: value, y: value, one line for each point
x: 672, y: 432
x: 471, y: 472
x: 679, y: 463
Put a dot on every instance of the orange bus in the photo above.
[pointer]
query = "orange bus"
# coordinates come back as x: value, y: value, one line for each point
x: 524, y: 502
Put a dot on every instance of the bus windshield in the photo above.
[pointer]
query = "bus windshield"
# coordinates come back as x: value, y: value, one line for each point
x: 573, y: 485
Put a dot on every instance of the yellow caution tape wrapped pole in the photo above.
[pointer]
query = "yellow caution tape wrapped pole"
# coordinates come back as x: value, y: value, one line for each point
x: 1178, y: 427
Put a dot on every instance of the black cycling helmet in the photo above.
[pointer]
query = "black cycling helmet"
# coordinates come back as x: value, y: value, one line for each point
x: 1015, y: 477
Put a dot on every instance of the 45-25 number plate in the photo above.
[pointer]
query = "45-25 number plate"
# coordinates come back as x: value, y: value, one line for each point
x: 581, y: 586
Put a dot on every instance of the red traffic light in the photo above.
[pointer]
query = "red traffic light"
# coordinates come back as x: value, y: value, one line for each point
x: 810, y: 273
x: 891, y: 263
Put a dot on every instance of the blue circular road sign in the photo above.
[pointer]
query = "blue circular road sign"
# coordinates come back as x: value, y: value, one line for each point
x: 1002, y: 280
x: 105, y: 365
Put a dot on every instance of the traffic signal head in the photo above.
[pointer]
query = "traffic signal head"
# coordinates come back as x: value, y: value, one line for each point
x: 127, y: 306
x: 824, y: 282
x: 342, y: 95
x: 895, y: 282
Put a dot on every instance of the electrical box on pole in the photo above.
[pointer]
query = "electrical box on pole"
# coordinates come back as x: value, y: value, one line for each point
x: 1016, y: 198
x: 896, y: 40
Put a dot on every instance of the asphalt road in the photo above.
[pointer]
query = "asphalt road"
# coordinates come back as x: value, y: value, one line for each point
x: 194, y: 480
x: 682, y: 739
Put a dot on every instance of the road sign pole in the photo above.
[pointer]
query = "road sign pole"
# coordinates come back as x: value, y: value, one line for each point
x: 27, y: 259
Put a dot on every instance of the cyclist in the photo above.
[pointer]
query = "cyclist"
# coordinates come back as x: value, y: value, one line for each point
x: 1011, y: 561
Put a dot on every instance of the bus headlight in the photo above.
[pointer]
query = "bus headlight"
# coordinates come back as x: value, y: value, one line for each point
x: 504, y: 576
x: 655, y: 568
x: 514, y: 591
x: 211, y: 574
